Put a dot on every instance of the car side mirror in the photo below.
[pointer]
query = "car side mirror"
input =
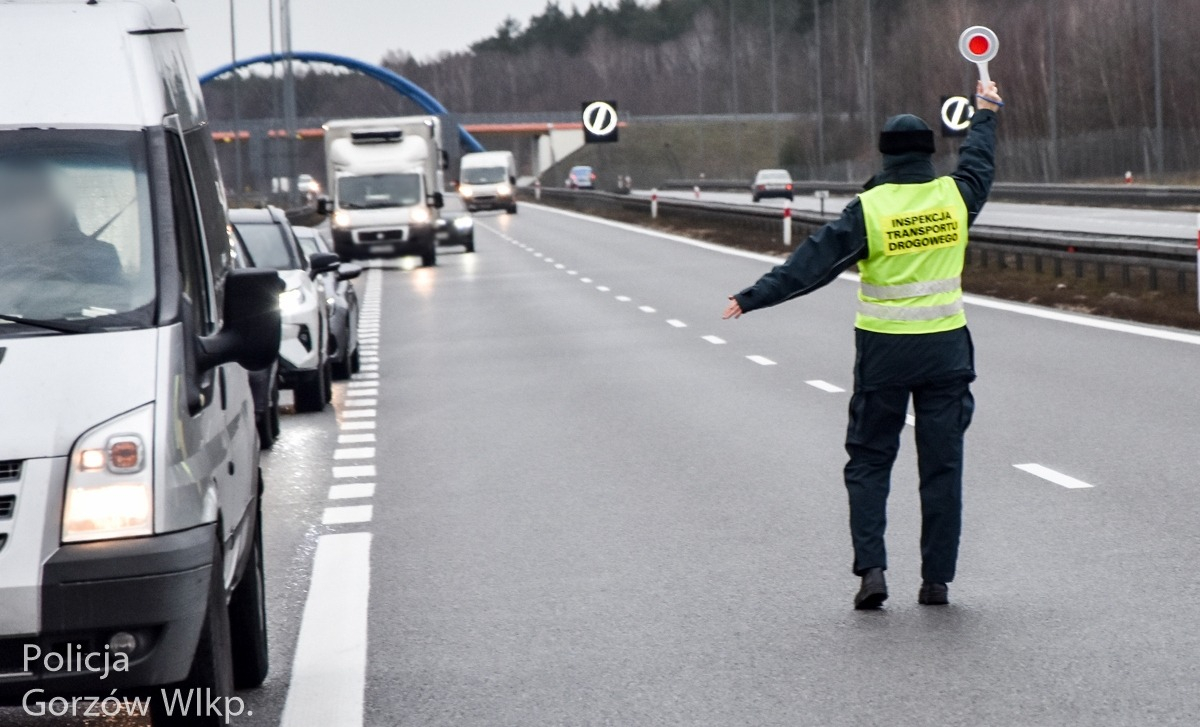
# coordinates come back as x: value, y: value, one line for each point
x: 348, y: 271
x: 324, y: 206
x: 250, y: 333
x: 437, y: 200
x: 320, y: 263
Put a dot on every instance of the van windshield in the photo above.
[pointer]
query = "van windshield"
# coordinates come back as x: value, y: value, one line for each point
x: 76, y: 230
x: 484, y: 175
x: 374, y: 191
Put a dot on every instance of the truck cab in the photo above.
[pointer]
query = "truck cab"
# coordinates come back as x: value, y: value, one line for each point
x: 384, y: 182
x: 130, y: 523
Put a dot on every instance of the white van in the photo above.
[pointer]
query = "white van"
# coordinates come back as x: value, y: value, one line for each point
x: 488, y: 181
x: 130, y: 530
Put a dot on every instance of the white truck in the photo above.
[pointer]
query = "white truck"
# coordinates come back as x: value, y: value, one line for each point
x: 385, y: 179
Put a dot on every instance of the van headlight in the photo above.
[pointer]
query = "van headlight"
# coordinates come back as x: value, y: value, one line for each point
x: 291, y: 299
x: 466, y: 190
x: 341, y: 218
x: 504, y: 189
x: 110, y: 480
x: 420, y: 216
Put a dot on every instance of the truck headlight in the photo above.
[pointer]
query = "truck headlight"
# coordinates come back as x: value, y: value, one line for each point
x: 110, y: 480
x: 503, y: 189
x: 341, y: 218
x: 466, y: 190
x: 420, y: 216
x: 291, y: 299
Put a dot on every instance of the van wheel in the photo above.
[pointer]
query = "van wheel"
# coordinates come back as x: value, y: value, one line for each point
x: 211, y: 674
x: 266, y: 437
x: 328, y: 379
x: 512, y: 210
x: 355, y: 362
x: 248, y: 616
x: 470, y: 244
x: 310, y: 391
x: 341, y: 369
x: 429, y: 257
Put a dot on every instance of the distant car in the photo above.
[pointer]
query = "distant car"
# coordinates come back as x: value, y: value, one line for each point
x: 581, y: 178
x: 772, y: 183
x: 342, y: 300
x: 264, y: 383
x: 304, y: 350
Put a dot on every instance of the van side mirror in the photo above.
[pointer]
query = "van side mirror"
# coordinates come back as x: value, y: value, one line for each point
x: 250, y: 334
x: 512, y: 180
x: 437, y: 200
x: 324, y: 206
x: 320, y: 263
x: 445, y: 159
x: 348, y: 271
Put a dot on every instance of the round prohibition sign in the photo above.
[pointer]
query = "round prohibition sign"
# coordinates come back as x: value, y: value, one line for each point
x: 957, y: 112
x: 599, y: 118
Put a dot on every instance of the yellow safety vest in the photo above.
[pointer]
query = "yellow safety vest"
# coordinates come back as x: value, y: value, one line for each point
x: 912, y: 277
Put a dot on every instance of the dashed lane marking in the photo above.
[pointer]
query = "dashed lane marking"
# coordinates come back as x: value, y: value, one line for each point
x: 354, y: 453
x: 354, y: 470
x: 676, y: 323
x: 1054, y: 476
x: 715, y: 340
x: 761, y: 360
x: 352, y: 491
x: 347, y: 515
x: 825, y: 386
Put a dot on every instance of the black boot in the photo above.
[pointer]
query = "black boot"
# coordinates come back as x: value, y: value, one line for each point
x: 933, y: 594
x: 873, y: 592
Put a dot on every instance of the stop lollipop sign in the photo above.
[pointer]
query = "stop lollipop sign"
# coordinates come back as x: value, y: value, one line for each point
x: 979, y: 45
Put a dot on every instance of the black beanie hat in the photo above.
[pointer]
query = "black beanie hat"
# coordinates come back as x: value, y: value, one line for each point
x: 904, y: 134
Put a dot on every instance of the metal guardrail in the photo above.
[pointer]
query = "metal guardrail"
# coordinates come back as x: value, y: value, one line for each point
x: 1100, y: 195
x: 1101, y: 257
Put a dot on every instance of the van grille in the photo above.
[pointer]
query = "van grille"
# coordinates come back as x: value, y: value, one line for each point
x: 381, y: 236
x: 8, y: 503
x: 10, y: 469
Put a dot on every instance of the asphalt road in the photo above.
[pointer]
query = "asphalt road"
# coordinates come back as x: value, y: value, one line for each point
x: 585, y: 500
x: 1161, y: 224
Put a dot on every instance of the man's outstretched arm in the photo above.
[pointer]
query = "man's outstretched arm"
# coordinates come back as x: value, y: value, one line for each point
x: 821, y: 258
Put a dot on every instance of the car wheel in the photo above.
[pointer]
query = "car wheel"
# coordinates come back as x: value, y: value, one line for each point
x: 470, y: 244
x: 512, y: 210
x: 248, y: 615
x: 429, y: 258
x: 211, y: 673
x: 341, y: 369
x: 755, y: 198
x: 310, y: 391
x: 355, y: 362
x: 266, y: 437
x: 327, y: 377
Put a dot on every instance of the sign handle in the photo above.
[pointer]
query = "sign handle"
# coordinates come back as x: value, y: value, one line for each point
x: 983, y: 73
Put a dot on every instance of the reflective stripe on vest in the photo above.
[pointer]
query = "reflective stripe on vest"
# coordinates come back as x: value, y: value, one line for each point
x: 912, y: 276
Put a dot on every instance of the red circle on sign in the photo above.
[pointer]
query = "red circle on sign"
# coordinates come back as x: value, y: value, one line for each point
x: 978, y: 45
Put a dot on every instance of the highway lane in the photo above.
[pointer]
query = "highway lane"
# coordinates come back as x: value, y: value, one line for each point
x: 1162, y: 224
x: 587, y: 504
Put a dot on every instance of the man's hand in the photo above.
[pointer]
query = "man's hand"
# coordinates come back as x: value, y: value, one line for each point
x: 988, y: 96
x: 733, y: 310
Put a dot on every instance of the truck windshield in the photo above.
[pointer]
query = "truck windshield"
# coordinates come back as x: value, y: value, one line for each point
x: 76, y: 231
x: 484, y: 175
x: 373, y: 191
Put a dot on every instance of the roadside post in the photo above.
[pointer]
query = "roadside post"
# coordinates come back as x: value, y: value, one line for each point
x: 654, y: 203
x: 979, y: 45
x: 1198, y: 262
x: 822, y: 194
x: 696, y: 191
x: 787, y: 224
x: 537, y: 189
x: 1128, y: 177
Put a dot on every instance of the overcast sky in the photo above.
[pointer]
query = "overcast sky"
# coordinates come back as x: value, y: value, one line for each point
x: 364, y: 29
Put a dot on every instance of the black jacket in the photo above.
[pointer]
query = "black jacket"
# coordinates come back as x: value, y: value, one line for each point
x: 843, y: 242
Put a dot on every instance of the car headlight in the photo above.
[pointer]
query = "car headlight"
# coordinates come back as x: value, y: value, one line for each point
x: 504, y: 189
x: 466, y: 190
x: 341, y: 218
x: 420, y: 216
x: 110, y: 481
x: 464, y: 223
x: 291, y: 299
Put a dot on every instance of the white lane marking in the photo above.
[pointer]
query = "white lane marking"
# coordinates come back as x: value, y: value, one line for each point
x: 1054, y: 476
x: 352, y: 491
x: 367, y: 375
x: 369, y: 367
x: 825, y: 386
x: 354, y: 453
x: 329, y: 669
x: 549, y: 260
x: 1104, y: 324
x: 361, y: 402
x: 356, y: 438
x: 646, y: 309
x: 910, y: 420
x: 624, y: 298
x: 350, y: 426
x: 363, y: 392
x: 585, y: 280
x: 603, y: 288
x: 538, y: 254
x: 676, y: 323
x: 715, y: 340
x: 572, y: 272
x: 362, y: 384
x: 560, y: 266
x: 347, y: 515
x: 354, y: 470
x: 761, y: 360
x: 368, y: 359
x: 359, y: 414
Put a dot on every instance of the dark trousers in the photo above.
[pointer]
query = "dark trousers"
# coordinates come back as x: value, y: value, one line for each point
x: 943, y: 408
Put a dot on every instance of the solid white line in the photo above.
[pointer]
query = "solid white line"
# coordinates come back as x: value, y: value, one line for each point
x: 352, y: 491
x: 355, y: 438
x: 603, y: 289
x: 1050, y: 475
x: 354, y: 453
x: 361, y: 402
x: 676, y: 323
x: 354, y: 470
x: 761, y: 360
x: 1105, y: 324
x: 715, y: 340
x: 825, y: 386
x: 347, y: 515
x: 363, y: 392
x: 357, y: 425
x: 646, y: 309
x: 329, y: 669
x: 624, y: 298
